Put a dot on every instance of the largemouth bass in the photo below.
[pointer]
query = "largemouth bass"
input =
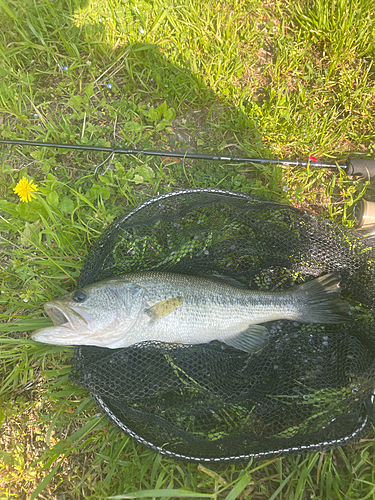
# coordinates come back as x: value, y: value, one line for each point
x: 174, y: 308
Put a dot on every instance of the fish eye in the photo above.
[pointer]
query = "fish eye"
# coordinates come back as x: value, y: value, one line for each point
x: 79, y: 296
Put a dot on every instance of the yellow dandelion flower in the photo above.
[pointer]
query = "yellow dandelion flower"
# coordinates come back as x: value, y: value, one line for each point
x: 25, y: 189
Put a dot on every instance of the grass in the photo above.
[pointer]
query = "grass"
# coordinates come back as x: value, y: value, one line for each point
x: 274, y: 79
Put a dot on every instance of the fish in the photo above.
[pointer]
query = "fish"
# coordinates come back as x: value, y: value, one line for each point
x: 181, y: 309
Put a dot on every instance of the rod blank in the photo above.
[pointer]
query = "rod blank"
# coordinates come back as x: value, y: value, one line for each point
x: 173, y: 154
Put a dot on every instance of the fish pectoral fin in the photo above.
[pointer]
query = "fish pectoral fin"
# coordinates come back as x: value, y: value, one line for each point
x: 250, y: 340
x: 163, y: 308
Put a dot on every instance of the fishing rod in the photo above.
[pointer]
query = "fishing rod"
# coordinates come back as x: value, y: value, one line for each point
x: 352, y: 166
x: 364, y: 210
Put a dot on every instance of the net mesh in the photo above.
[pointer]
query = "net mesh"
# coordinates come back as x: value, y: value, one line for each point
x: 311, y: 387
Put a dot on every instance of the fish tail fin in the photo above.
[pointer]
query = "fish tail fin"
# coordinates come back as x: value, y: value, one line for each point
x: 322, y: 303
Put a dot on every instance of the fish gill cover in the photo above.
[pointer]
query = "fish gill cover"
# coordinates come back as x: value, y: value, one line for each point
x: 309, y: 389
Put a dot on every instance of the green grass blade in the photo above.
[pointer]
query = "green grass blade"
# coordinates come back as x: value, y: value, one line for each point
x: 167, y: 493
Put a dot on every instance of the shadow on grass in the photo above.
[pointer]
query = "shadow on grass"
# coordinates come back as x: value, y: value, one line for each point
x: 99, y: 90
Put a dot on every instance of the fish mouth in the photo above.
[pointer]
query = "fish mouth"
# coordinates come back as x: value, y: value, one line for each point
x: 70, y: 327
x: 57, y: 316
x: 66, y: 317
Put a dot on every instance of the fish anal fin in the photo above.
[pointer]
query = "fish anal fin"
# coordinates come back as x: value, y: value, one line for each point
x: 163, y: 308
x: 250, y: 340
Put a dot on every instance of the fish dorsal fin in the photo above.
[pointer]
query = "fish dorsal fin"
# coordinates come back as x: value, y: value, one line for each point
x: 163, y: 308
x: 220, y: 278
x: 250, y: 340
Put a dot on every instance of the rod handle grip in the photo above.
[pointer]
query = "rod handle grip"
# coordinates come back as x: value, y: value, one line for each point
x: 363, y: 168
